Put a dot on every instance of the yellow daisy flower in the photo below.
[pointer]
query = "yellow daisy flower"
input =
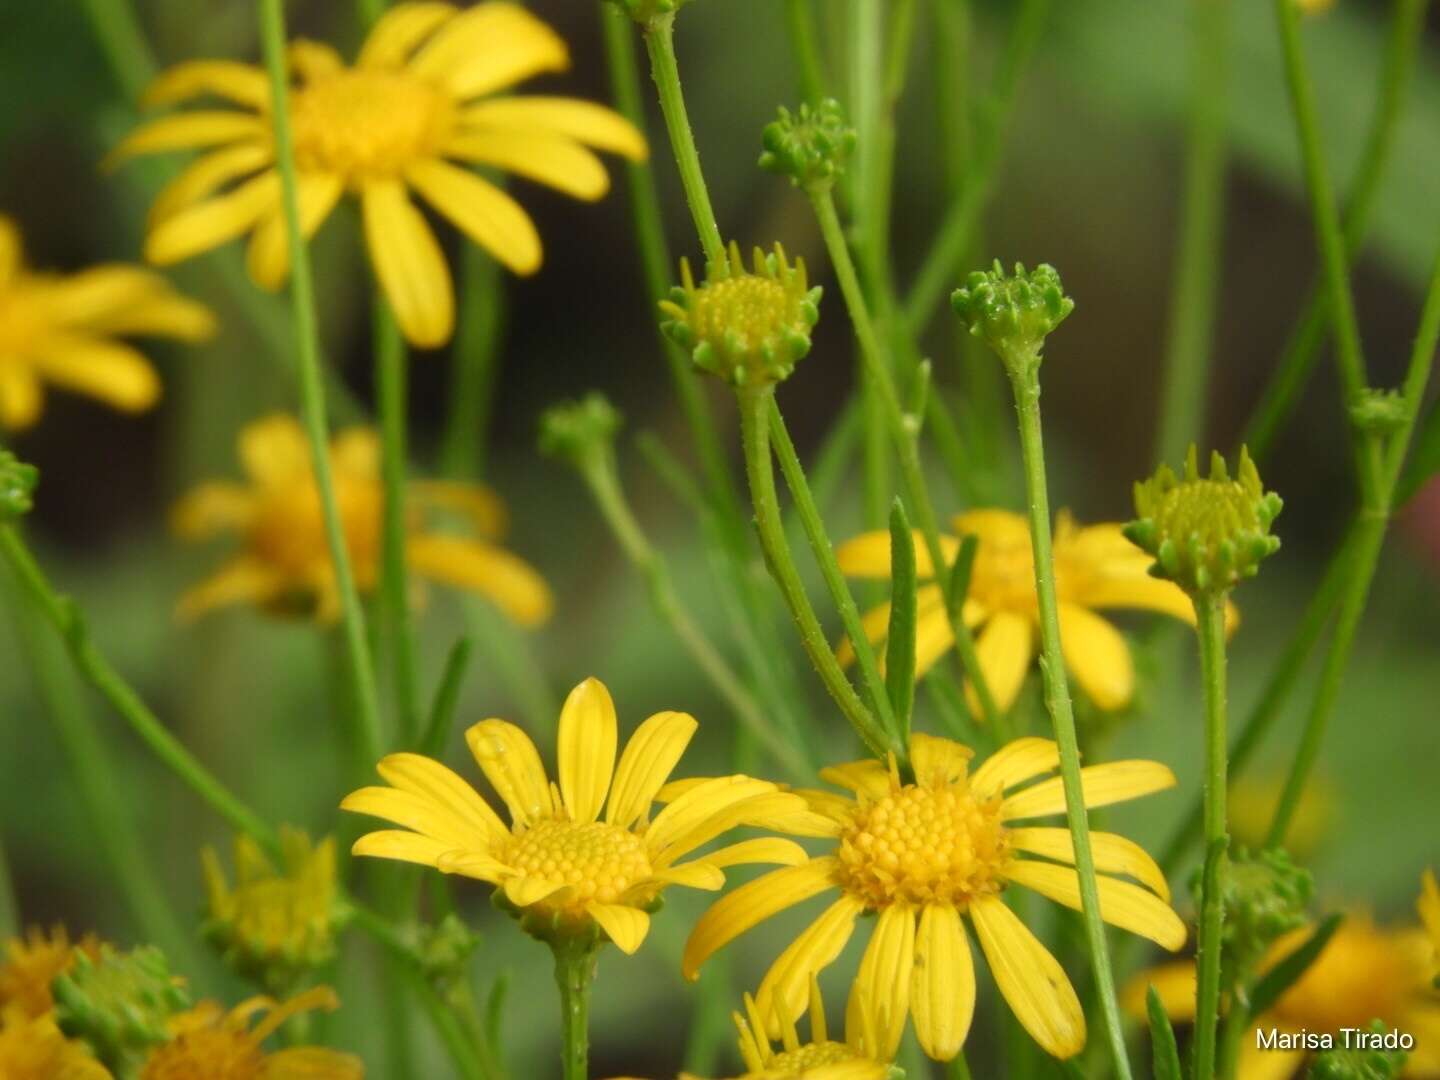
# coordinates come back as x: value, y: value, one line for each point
x: 33, y: 1048
x: 284, y: 565
x: 421, y: 95
x: 922, y: 855
x: 1095, y: 568
x: 1429, y: 908
x: 61, y: 329
x: 1365, y: 973
x: 209, y: 1042
x: 559, y: 863
x: 1251, y: 807
x: 31, y: 964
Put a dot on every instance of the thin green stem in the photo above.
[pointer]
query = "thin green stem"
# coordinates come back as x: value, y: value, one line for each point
x: 1197, y: 258
x: 660, y: 42
x: 1210, y: 627
x: 574, y: 972
x: 391, y: 391
x: 805, y: 44
x: 959, y: 1068
x: 755, y: 438
x: 1026, y: 385
x: 307, y: 344
x: 474, y: 365
x: 123, y: 42
x: 9, y: 905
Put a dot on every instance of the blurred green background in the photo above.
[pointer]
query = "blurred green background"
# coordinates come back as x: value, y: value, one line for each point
x: 1090, y: 183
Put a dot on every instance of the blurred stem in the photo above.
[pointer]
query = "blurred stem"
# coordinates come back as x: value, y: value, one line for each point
x: 901, y: 431
x: 1025, y: 381
x: 9, y: 907
x: 390, y: 382
x: 1197, y: 259
x: 755, y: 403
x: 512, y: 659
x: 805, y: 45
x: 123, y: 42
x: 574, y: 972
x: 370, y: 11
x: 660, y: 42
x: 307, y: 344
x: 1210, y: 628
x: 474, y: 365
x: 958, y: 1068
x: 1282, y: 392
x: 69, y: 623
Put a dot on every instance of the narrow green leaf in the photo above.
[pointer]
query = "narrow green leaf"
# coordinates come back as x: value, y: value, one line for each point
x: 1424, y: 458
x: 442, y: 710
x: 495, y: 1014
x: 959, y: 583
x: 900, y: 640
x: 1288, y: 972
x: 1165, y: 1053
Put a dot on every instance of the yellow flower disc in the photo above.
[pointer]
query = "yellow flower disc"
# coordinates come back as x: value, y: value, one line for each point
x: 596, y: 861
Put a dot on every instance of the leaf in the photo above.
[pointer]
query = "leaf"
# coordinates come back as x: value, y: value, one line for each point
x: 959, y: 583
x: 1288, y: 972
x: 900, y: 639
x: 1424, y: 458
x: 1165, y: 1053
x: 495, y: 1015
x: 442, y: 711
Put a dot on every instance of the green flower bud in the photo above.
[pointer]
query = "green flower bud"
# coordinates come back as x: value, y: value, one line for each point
x: 1354, y: 1063
x: 575, y: 431
x: 1206, y: 533
x: 810, y: 146
x: 1379, y: 412
x: 445, y: 951
x: 746, y: 327
x: 17, y: 482
x: 120, y: 1004
x: 1266, y: 896
x: 645, y: 12
x: 1013, y: 315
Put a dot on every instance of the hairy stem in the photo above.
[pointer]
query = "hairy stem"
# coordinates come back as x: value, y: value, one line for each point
x: 574, y: 972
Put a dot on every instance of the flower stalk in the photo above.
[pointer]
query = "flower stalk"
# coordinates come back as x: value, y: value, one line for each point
x: 575, y: 959
x: 1210, y: 627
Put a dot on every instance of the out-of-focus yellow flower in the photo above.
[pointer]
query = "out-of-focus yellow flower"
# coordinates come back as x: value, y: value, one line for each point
x: 61, y: 329
x: 285, y: 566
x: 1429, y: 908
x: 560, y: 865
x: 33, y: 1048
x: 1251, y: 807
x: 922, y: 855
x: 1314, y: 7
x: 1095, y: 568
x: 419, y: 97
x: 1365, y: 973
x: 214, y: 1044
x: 31, y: 964
x: 274, y: 925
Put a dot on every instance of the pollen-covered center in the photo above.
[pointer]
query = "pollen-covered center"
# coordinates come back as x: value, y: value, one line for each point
x: 924, y: 844
x: 745, y: 312
x: 289, y: 535
x: 368, y: 123
x: 810, y: 1056
x: 215, y: 1054
x: 596, y: 860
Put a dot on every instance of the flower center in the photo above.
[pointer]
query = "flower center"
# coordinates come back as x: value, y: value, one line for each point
x: 1214, y: 510
x: 1003, y: 577
x: 753, y: 309
x: 368, y: 123
x: 810, y: 1056
x: 289, y: 530
x: 215, y: 1054
x: 924, y: 844
x: 596, y: 860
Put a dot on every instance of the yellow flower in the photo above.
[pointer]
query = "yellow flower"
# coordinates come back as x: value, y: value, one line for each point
x: 61, y: 329
x: 560, y: 864
x: 285, y: 565
x: 1095, y: 568
x: 1429, y: 908
x: 419, y: 95
x: 1365, y: 973
x: 32, y: 963
x: 922, y: 855
x: 211, y: 1043
x: 32, y: 1048
x: 1251, y: 807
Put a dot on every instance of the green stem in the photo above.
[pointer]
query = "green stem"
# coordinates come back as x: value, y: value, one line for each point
x: 123, y: 42
x: 67, y: 621
x: 9, y: 906
x: 1192, y: 306
x: 805, y: 44
x: 755, y: 405
x: 390, y: 382
x: 474, y: 365
x: 660, y: 42
x: 574, y: 972
x: 1210, y: 626
x: 307, y: 344
x: 1026, y: 385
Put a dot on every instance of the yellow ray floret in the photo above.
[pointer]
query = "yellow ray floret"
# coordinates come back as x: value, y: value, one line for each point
x: 29, y: 965
x: 61, y: 330
x: 284, y: 565
x: 415, y: 110
x: 33, y: 1048
x: 1096, y: 568
x: 926, y: 856
x: 584, y: 852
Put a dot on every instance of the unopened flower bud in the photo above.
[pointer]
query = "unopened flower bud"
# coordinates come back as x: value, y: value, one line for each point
x: 1266, y: 896
x: 1357, y: 1063
x: 1013, y: 315
x: 575, y: 431
x: 120, y: 1003
x: 810, y: 145
x: 645, y: 12
x: 1378, y: 412
x: 17, y: 483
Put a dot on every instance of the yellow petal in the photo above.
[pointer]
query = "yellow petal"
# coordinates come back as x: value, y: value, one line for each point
x: 585, y: 748
x: 525, y: 891
x: 419, y: 813
x: 244, y: 580
x: 401, y: 845
x: 865, y: 777
x: 222, y: 78
x: 444, y: 787
x: 115, y: 374
x: 205, y: 225
x: 1004, y: 649
x: 187, y: 131
x: 409, y: 263
x: 552, y: 160
x: 512, y: 765
x: 701, y: 874
x: 942, y: 991
x: 397, y: 32
x: 938, y: 761
x: 1017, y: 761
x: 1032, y: 982
x: 1114, y: 854
x: 212, y: 508
x: 650, y: 755
x: 482, y: 211
x: 885, y: 972
x: 993, y: 528
x: 275, y: 452
x: 1174, y: 983
x: 480, y: 506
x: 10, y: 249
x: 161, y: 315
x: 1121, y: 904
x: 489, y: 47
x: 508, y: 581
x: 868, y: 555
x: 751, y: 904
x: 758, y: 810
x: 313, y: 60
x: 625, y: 926
x: 474, y: 864
x: 268, y: 256
x: 82, y: 298
x: 21, y: 398
x: 584, y: 121
x: 785, y: 986
x: 765, y: 849
x: 1097, y: 656
x: 1111, y: 782
x: 697, y: 805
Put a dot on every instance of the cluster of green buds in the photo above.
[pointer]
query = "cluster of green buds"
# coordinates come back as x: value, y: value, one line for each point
x: 577, y: 432
x: 17, y: 484
x: 646, y: 12
x: 273, y: 926
x: 121, y: 1003
x: 1206, y: 533
x: 1266, y: 896
x: 1378, y: 412
x: 748, y: 327
x: 810, y: 145
x: 445, y: 950
x: 1360, y: 1063
x: 1013, y: 315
